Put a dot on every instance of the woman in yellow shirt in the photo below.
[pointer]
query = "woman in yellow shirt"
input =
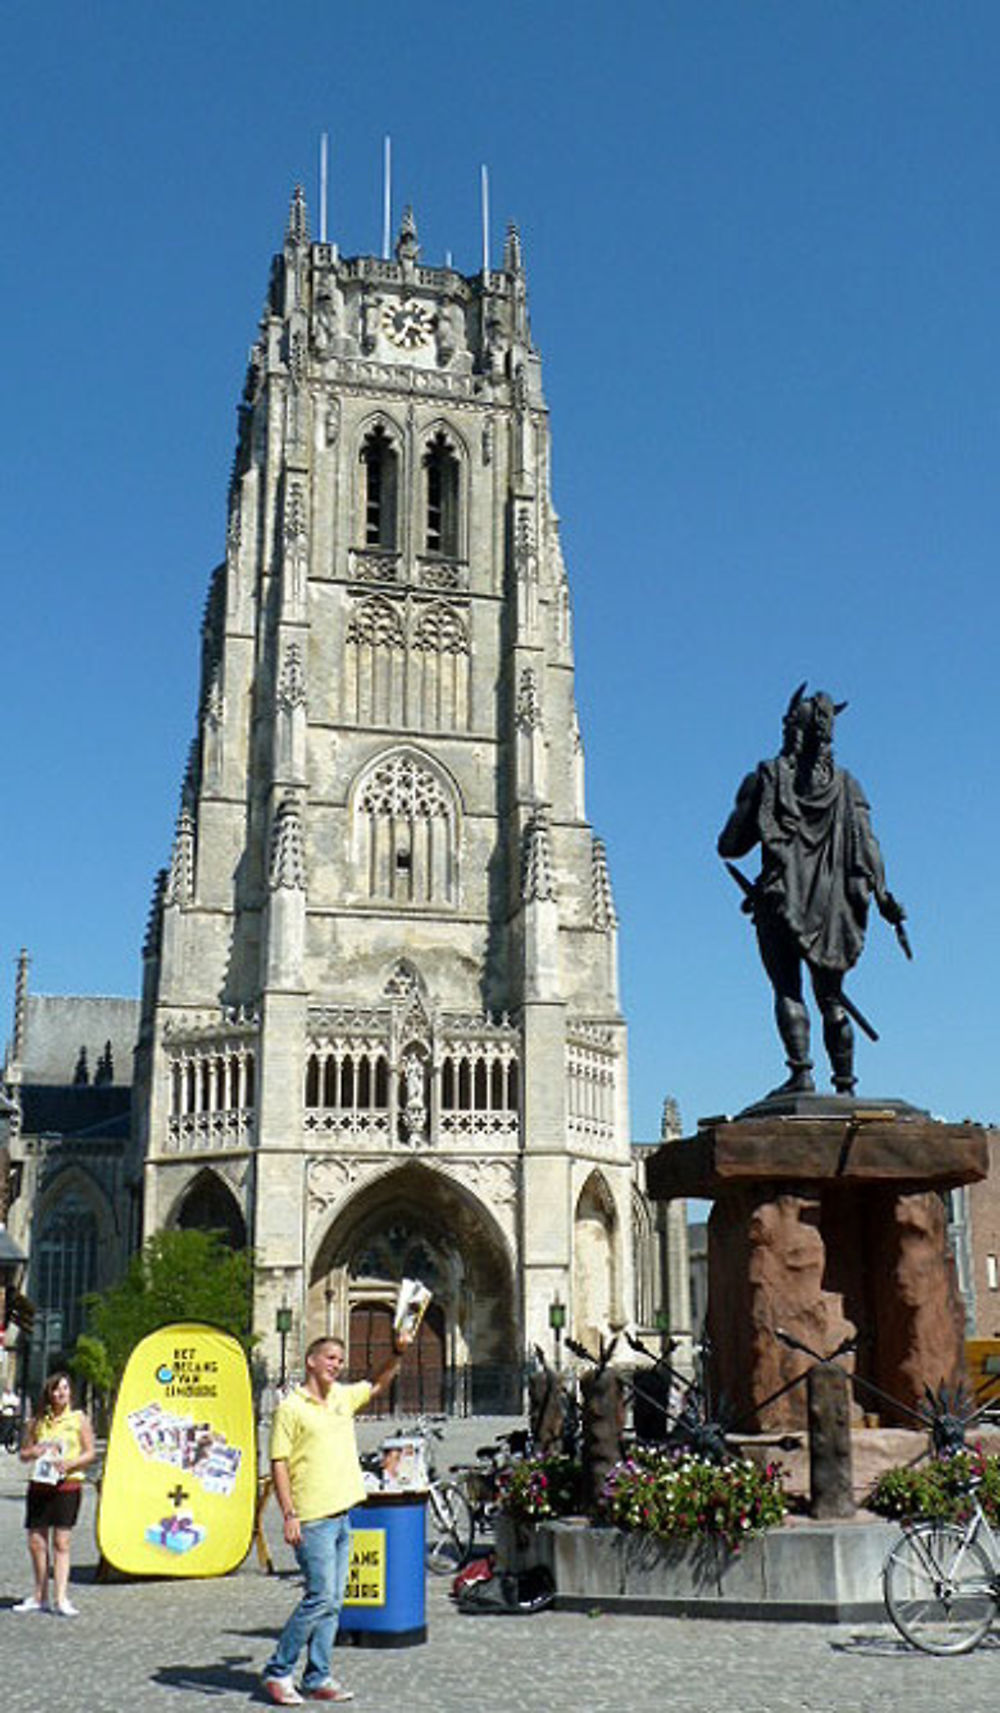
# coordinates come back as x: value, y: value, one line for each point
x: 59, y: 1444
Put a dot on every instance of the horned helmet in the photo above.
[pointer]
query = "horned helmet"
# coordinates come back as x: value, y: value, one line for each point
x: 812, y: 715
x: 824, y: 712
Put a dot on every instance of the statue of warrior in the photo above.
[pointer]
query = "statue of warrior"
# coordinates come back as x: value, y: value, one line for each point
x: 820, y: 865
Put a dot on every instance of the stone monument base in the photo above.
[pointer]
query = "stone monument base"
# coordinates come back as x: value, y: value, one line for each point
x: 828, y: 1225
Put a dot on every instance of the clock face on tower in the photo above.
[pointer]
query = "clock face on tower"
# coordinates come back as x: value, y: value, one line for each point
x: 407, y: 324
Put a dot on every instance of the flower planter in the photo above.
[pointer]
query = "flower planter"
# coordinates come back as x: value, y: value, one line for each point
x: 827, y: 1572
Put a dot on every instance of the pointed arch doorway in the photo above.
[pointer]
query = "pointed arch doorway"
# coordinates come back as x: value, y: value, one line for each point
x: 423, y: 1383
x: 416, y: 1222
x: 208, y: 1204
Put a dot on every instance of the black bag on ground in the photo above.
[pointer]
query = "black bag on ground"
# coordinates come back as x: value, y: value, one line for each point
x: 510, y: 1594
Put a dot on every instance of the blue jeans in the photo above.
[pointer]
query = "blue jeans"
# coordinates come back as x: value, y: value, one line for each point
x: 324, y: 1555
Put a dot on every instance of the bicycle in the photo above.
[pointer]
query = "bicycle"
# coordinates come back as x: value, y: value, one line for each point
x: 479, y: 1482
x: 449, y: 1528
x: 941, y: 1581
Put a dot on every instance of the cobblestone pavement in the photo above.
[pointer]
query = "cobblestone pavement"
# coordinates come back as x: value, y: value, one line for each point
x: 160, y: 1647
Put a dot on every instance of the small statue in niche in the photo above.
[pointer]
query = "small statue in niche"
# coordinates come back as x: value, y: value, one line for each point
x: 326, y: 316
x: 820, y: 865
x: 368, y: 318
x: 414, y: 1115
x: 449, y: 330
x: 493, y: 334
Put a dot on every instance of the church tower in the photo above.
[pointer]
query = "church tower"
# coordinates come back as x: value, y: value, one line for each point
x: 381, y: 1029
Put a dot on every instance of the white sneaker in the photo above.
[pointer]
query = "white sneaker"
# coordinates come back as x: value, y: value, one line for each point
x: 282, y: 1691
x: 66, y: 1609
x: 30, y: 1604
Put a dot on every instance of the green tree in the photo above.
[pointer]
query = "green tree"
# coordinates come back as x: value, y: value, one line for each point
x: 90, y: 1362
x: 177, y: 1275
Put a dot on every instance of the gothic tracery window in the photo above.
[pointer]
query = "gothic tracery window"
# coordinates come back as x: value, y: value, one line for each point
x: 375, y: 664
x: 407, y: 825
x: 64, y: 1261
x: 440, y: 669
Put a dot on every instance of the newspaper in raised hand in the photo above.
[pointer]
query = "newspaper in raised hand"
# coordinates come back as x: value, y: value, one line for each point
x: 411, y: 1306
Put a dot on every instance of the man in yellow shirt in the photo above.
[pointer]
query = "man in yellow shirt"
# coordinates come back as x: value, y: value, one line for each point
x: 317, y: 1478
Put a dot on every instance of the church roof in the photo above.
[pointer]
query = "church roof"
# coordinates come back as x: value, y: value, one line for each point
x: 82, y: 1111
x: 56, y: 1026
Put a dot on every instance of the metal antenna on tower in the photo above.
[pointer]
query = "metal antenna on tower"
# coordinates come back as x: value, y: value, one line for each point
x: 387, y: 199
x: 485, y: 184
x: 323, y: 146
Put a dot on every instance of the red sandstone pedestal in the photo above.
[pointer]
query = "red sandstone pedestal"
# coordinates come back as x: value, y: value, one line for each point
x: 827, y: 1224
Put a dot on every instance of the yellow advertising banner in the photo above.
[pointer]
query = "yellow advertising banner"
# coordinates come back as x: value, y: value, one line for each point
x: 366, y: 1577
x: 180, y: 1475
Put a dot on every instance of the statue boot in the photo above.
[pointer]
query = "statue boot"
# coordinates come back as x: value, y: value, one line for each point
x: 838, y: 1038
x: 793, y: 1027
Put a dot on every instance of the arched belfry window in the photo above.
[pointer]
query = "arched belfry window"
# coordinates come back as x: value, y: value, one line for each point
x: 406, y: 829
x: 380, y: 488
x: 442, y: 484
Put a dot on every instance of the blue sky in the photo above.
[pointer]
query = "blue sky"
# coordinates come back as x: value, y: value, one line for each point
x: 763, y: 253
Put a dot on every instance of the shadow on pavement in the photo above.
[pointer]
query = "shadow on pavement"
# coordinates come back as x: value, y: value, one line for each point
x: 221, y: 1678
x: 894, y: 1647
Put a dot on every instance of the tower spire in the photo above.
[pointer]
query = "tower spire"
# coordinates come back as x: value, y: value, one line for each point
x: 513, y: 260
x: 298, y: 218
x: 21, y: 1003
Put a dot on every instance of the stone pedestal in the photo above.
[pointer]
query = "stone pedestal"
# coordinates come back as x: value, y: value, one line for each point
x: 828, y: 1223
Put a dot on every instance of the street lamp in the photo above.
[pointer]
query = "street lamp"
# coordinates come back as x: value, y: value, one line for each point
x: 557, y: 1320
x: 283, y: 1326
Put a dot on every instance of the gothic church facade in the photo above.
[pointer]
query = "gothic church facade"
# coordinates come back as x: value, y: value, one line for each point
x: 381, y: 1030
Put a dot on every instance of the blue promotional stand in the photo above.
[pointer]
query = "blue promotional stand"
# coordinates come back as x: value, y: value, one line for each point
x: 386, y: 1603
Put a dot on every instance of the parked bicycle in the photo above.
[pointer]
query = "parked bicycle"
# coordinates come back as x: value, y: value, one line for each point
x: 480, y: 1482
x: 941, y: 1581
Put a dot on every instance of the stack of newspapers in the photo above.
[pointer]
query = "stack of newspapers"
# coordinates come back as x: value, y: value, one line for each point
x: 411, y: 1306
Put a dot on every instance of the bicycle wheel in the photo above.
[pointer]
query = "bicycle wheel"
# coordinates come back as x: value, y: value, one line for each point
x: 940, y: 1588
x: 449, y: 1528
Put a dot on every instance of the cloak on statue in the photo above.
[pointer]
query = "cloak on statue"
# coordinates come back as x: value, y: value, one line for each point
x: 820, y: 859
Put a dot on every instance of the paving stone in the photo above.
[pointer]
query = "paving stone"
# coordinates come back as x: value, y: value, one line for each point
x: 160, y: 1647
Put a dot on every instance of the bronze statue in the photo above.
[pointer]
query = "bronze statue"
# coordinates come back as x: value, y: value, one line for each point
x: 820, y: 865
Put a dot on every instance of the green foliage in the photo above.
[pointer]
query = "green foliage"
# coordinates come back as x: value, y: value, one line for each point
x: 177, y: 1275
x: 938, y: 1489
x: 91, y: 1363
x: 538, y: 1487
x: 684, y: 1498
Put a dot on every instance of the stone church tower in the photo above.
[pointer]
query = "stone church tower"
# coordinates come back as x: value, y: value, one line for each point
x: 381, y: 1031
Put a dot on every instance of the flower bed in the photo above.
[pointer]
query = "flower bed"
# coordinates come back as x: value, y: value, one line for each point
x: 685, y: 1498
x: 938, y: 1488
x: 538, y: 1488
x: 669, y: 1497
